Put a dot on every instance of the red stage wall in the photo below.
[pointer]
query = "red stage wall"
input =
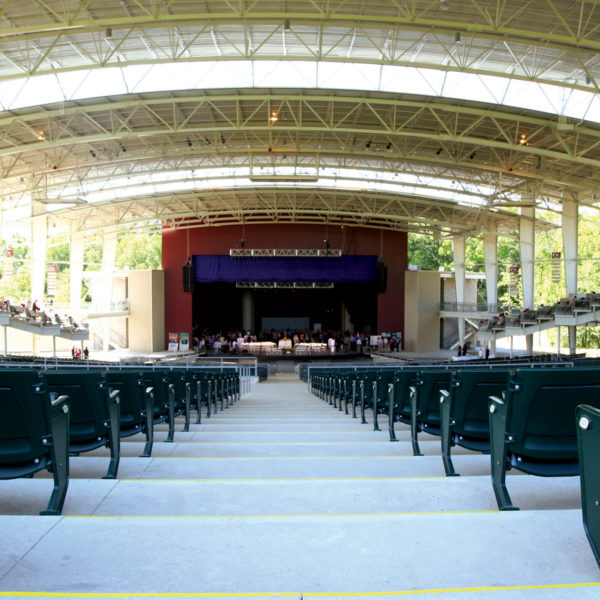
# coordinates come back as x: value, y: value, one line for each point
x: 178, y: 244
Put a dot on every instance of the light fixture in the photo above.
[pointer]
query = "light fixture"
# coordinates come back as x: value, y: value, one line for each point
x: 286, y: 24
x: 108, y: 33
x: 41, y: 136
x: 273, y: 118
x: 457, y: 37
x: 523, y: 140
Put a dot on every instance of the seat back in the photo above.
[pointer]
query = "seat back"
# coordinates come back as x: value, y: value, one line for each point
x: 159, y: 380
x: 89, y: 411
x: 23, y: 423
x: 429, y: 384
x: 587, y: 419
x: 541, y: 407
x: 131, y: 388
x: 403, y: 380
x: 471, y: 389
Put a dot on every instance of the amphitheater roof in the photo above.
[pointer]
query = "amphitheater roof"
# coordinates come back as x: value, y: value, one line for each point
x: 442, y: 116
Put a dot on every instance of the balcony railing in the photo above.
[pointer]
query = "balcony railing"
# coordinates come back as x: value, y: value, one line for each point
x: 472, y: 307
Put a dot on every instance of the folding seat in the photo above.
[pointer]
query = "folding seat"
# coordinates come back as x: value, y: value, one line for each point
x: 94, y: 412
x: 587, y: 420
x: 34, y: 432
x: 532, y: 428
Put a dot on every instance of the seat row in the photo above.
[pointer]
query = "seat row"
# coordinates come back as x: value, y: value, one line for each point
x: 50, y: 415
x: 527, y: 418
x: 523, y: 416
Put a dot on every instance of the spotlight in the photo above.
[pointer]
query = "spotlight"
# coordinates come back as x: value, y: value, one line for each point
x: 286, y: 24
x: 273, y: 118
x: 457, y: 37
x: 368, y: 145
x: 93, y: 154
x: 439, y: 151
x: 123, y: 149
x: 108, y: 33
x: 189, y: 142
x: 389, y: 146
x: 473, y: 154
x: 223, y: 140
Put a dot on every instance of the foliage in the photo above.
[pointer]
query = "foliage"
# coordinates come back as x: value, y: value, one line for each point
x: 135, y: 251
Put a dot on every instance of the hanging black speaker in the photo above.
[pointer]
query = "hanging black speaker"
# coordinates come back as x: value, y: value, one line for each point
x: 381, y: 277
x: 188, y: 278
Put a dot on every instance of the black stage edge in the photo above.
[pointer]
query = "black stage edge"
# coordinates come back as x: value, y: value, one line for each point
x: 304, y: 358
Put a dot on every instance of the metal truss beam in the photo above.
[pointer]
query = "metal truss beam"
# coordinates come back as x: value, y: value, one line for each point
x: 495, y: 37
x: 466, y: 137
x: 285, y: 285
x: 284, y: 253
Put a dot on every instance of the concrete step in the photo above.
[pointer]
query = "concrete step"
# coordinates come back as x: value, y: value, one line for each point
x: 293, y: 497
x: 281, y: 495
x: 347, y: 555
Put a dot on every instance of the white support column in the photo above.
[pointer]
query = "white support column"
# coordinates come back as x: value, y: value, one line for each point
x: 527, y: 248
x: 458, y: 250
x: 490, y: 253
x: 77, y: 245
x: 39, y: 238
x: 570, y: 223
x: 490, y: 258
x: 109, y: 255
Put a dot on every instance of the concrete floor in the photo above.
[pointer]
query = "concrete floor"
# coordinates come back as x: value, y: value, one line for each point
x: 281, y: 495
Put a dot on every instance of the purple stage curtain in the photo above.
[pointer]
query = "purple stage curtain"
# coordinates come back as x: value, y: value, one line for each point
x: 345, y: 269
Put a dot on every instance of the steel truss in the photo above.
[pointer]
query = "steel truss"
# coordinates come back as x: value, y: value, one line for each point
x: 283, y: 253
x: 553, y: 41
x: 285, y: 285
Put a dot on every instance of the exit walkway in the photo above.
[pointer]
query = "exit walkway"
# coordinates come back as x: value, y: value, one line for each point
x: 281, y: 495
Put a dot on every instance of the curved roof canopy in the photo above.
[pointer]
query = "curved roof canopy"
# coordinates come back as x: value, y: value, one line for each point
x: 437, y: 116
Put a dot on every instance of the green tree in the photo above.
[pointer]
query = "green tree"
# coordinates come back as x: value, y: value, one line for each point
x: 429, y: 252
x: 137, y: 251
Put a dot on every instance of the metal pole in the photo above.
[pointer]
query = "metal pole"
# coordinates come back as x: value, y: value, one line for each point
x: 5, y: 340
x: 558, y: 341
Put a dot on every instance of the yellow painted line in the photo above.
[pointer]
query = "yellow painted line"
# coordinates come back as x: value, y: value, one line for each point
x: 558, y: 586
x: 280, y: 443
x: 356, y: 456
x: 306, y: 516
x: 221, y: 480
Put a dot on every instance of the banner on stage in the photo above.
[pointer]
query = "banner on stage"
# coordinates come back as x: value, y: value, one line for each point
x: 173, y: 342
x: 184, y: 341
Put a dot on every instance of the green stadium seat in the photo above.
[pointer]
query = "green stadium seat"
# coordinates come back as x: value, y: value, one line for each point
x: 34, y: 432
x: 94, y: 412
x: 533, y: 428
x: 425, y: 404
x: 464, y: 410
x: 136, y: 404
x: 587, y: 420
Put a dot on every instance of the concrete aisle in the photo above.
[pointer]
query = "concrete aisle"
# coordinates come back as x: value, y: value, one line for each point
x: 281, y: 495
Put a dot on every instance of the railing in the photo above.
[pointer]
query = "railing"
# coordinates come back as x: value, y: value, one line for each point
x: 115, y: 306
x: 473, y: 307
